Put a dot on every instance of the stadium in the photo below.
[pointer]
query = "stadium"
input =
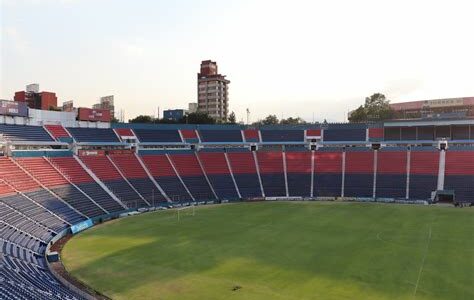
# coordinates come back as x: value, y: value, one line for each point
x: 319, y: 211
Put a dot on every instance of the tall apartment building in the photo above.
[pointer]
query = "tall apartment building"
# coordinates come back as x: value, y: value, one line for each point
x: 213, y: 91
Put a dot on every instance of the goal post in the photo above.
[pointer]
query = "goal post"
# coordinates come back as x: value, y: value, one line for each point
x: 186, y: 211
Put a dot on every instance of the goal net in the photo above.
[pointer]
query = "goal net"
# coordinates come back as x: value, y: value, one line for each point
x: 185, y: 211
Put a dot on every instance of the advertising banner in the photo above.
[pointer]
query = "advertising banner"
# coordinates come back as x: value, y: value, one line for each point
x: 81, y: 226
x: 13, y: 108
x: 88, y: 114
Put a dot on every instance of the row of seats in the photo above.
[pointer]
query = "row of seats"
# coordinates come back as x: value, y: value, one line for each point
x: 341, y: 133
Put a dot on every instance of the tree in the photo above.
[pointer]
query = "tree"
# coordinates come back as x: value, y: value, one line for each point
x: 376, y: 108
x: 142, y: 119
x: 114, y: 120
x: 197, y: 118
x: 270, y: 120
x: 231, y: 119
x: 358, y: 115
x: 292, y: 121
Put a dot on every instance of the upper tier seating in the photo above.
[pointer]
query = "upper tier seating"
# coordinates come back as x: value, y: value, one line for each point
x: 391, y: 173
x: 423, y: 173
x: 96, y: 135
x: 215, y: 166
x: 251, y: 135
x: 298, y: 169
x: 359, y: 175
x: 57, y: 131
x: 25, y: 133
x: 272, y: 173
x: 163, y: 172
x: 344, y: 134
x: 189, y: 135
x: 327, y: 173
x: 158, y: 136
x: 282, y: 135
x: 191, y: 173
x: 109, y: 175
x: 245, y: 174
x: 137, y: 176
x: 459, y: 174
x: 219, y: 136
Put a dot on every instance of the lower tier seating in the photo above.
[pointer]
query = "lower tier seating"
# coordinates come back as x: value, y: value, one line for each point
x: 100, y: 196
x: 48, y: 201
x: 78, y: 200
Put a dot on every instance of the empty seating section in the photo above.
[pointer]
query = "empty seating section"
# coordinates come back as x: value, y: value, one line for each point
x: 282, y: 135
x: 424, y: 165
x: 189, y: 135
x: 344, y: 134
x: 24, y: 280
x: 298, y: 173
x: 215, y: 166
x: 220, y: 136
x: 53, y: 204
x: 35, y: 211
x: 359, y: 174
x: 164, y: 174
x: 14, y: 176
x: 376, y: 134
x: 71, y: 169
x: 459, y: 174
x: 251, y: 135
x: 158, y: 136
x: 191, y: 173
x: 108, y: 174
x: 57, y: 131
x: 5, y: 189
x: 313, y: 132
x: 41, y: 169
x: 124, y: 132
x: 137, y: 176
x: 245, y: 174
x: 23, y: 224
x: 84, y: 135
x: 391, y: 173
x: 25, y: 133
x: 272, y: 173
x: 327, y: 173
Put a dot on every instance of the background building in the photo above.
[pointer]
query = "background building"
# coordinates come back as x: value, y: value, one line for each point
x: 35, y: 99
x: 438, y: 108
x: 192, y: 107
x: 106, y: 102
x: 174, y: 114
x: 213, y: 91
x: 68, y: 106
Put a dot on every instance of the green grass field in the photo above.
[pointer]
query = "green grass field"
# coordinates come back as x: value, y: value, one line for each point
x: 281, y: 250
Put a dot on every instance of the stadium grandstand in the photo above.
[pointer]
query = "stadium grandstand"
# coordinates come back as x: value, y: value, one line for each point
x: 57, y: 180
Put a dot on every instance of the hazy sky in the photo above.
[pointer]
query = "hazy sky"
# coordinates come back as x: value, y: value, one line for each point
x: 290, y: 58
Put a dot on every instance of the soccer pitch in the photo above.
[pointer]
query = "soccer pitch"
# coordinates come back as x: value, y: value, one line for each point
x: 281, y: 250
